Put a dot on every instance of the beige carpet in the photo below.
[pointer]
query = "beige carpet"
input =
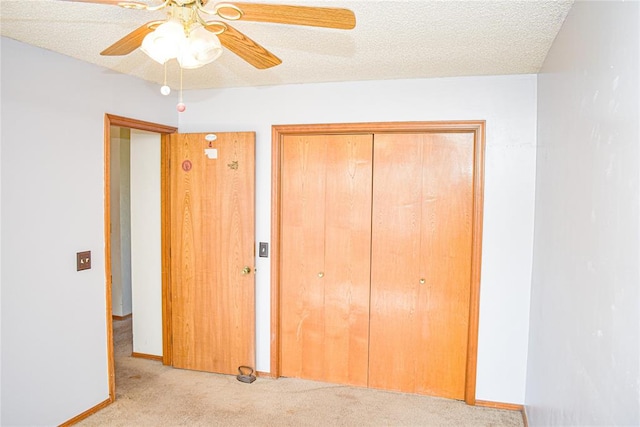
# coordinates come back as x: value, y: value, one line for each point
x: 150, y: 394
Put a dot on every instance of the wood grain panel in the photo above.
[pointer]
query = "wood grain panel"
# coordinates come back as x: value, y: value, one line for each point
x: 86, y: 414
x: 395, y: 261
x: 131, y: 41
x: 475, y: 131
x: 421, y: 262
x: 297, y: 15
x: 446, y: 260
x: 212, y: 240
x: 325, y: 247
x: 165, y: 218
x: 247, y: 49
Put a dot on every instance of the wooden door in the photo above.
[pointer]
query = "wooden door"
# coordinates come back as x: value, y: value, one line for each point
x: 212, y: 241
x: 421, y: 262
x: 325, y: 249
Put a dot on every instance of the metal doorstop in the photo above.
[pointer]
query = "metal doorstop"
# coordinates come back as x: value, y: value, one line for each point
x: 245, y: 374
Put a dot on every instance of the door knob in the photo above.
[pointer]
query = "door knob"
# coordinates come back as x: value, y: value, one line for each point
x: 246, y: 270
x: 422, y: 281
x: 321, y: 275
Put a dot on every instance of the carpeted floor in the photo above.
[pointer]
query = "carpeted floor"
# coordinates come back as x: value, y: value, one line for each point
x: 150, y: 394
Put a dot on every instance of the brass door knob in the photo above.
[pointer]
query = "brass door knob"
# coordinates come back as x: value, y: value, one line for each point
x: 321, y: 275
x: 422, y: 281
x: 246, y: 270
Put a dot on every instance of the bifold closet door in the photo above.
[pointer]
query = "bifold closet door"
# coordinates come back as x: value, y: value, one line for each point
x: 421, y: 262
x: 325, y: 252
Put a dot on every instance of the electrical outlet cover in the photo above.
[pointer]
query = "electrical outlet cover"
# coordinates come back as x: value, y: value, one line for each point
x: 83, y: 260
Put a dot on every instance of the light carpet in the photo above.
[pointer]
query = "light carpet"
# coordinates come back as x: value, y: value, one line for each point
x: 150, y: 394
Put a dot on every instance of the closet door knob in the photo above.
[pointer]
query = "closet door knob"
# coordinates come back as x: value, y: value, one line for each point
x: 321, y: 275
x: 422, y: 281
x: 246, y: 270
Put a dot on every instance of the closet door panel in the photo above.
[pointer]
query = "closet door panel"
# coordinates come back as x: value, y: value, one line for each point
x: 447, y: 253
x: 421, y: 258
x: 302, y: 246
x: 325, y: 247
x: 395, y: 263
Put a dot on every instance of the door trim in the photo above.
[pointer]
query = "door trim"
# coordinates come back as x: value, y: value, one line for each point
x: 477, y: 128
x: 164, y: 131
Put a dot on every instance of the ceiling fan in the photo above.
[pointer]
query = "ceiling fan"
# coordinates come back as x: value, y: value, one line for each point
x: 195, y: 40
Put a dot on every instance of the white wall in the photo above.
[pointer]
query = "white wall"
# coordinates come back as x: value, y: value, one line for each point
x: 583, y: 365
x: 120, y: 222
x: 146, y: 244
x: 54, y: 355
x: 508, y: 104
x: 53, y: 318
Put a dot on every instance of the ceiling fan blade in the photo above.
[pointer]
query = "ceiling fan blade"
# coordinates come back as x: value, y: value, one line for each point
x: 328, y: 17
x: 247, y: 49
x: 131, y: 41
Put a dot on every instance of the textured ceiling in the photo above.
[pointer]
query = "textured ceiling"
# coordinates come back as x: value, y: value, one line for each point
x: 392, y: 40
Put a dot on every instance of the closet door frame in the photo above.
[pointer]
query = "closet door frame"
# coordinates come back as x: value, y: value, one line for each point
x: 476, y: 127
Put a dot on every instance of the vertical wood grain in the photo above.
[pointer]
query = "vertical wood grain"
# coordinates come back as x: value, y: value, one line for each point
x: 395, y: 263
x: 212, y: 240
x: 474, y: 129
x: 446, y: 260
x: 325, y: 246
x: 422, y: 231
x: 347, y: 253
x: 276, y: 207
x: 165, y: 204
x: 107, y: 257
x: 476, y: 261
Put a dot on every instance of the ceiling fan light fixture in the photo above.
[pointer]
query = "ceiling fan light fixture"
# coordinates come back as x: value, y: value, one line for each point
x: 169, y: 41
x: 201, y: 48
x: 228, y: 11
x: 165, y: 42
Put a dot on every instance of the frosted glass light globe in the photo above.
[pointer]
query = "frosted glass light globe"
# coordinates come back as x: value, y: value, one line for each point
x: 164, y: 43
x: 200, y: 48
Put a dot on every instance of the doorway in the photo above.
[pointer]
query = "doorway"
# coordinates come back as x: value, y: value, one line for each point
x: 212, y: 195
x: 114, y: 122
x: 136, y: 246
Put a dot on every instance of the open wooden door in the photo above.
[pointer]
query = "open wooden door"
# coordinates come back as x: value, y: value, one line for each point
x: 212, y: 251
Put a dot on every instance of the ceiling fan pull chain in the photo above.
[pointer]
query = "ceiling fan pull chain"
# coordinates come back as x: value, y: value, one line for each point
x: 181, y: 107
x: 165, y: 89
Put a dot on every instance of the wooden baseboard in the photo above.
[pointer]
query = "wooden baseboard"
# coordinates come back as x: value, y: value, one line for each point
x: 506, y: 406
x: 500, y: 405
x: 87, y: 413
x: 147, y: 356
x: 122, y: 317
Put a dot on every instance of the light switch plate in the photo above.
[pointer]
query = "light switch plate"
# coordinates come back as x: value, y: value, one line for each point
x: 263, y: 250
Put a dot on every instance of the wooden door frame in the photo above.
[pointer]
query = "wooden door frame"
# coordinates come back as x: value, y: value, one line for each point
x: 477, y: 127
x: 164, y: 131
